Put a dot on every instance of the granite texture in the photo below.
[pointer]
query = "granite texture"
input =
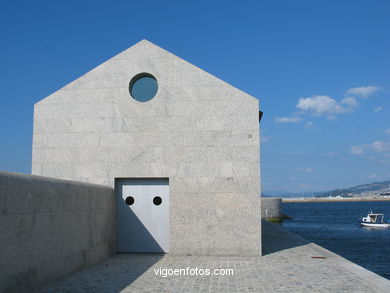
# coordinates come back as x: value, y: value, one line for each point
x: 50, y: 228
x: 271, y: 208
x: 198, y: 131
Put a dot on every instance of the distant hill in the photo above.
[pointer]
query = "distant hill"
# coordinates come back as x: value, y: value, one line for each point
x: 376, y: 188
x: 363, y: 190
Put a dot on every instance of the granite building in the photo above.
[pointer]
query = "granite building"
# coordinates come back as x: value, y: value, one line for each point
x: 180, y: 147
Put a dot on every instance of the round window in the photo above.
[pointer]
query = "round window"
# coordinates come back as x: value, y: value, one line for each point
x: 157, y: 200
x: 143, y: 87
x: 129, y: 200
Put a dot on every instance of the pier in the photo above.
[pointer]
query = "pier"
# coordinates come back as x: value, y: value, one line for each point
x: 289, y: 264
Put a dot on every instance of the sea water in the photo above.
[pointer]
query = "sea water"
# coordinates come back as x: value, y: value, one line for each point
x: 335, y: 226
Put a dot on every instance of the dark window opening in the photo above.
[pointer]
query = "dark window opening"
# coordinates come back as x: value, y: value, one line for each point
x: 143, y: 87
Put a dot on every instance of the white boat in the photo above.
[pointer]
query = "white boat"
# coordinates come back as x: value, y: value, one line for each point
x: 374, y: 220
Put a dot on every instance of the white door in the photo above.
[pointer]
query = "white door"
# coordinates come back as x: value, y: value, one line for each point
x: 142, y: 215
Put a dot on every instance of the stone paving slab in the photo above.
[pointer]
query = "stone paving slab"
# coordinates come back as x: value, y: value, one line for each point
x: 287, y: 266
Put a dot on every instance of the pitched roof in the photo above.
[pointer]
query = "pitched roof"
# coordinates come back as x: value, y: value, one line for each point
x: 145, y: 56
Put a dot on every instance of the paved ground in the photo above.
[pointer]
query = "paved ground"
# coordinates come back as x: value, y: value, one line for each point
x: 288, y: 266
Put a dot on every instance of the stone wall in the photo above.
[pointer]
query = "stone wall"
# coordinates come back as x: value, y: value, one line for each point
x: 271, y: 208
x: 51, y: 227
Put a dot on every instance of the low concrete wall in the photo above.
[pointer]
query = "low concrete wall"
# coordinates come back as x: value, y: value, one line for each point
x: 271, y: 208
x: 51, y: 227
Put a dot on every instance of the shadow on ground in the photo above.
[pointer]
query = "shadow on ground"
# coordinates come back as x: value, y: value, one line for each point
x: 275, y: 239
x: 121, y: 270
x: 111, y: 275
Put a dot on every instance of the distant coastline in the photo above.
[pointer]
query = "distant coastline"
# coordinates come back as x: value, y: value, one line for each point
x: 365, y: 192
x: 336, y: 198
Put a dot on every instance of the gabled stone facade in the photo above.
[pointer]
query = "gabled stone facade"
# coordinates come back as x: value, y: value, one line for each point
x: 198, y: 131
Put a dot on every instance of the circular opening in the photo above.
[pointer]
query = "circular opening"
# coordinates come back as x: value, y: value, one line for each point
x: 129, y: 200
x: 157, y: 200
x: 143, y: 87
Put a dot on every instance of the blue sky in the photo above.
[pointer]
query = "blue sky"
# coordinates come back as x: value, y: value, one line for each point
x: 321, y: 70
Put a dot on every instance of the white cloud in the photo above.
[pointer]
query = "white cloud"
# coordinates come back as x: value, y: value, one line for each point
x: 350, y: 101
x: 288, y: 120
x: 357, y: 150
x: 330, y: 154
x: 324, y: 105
x: 309, y: 124
x: 306, y: 170
x: 363, y: 91
x: 376, y: 146
x: 373, y: 176
x: 380, y: 146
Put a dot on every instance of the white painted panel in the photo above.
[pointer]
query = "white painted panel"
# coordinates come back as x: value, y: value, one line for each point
x: 142, y: 226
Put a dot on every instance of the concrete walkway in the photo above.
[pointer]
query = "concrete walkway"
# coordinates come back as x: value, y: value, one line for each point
x: 290, y: 264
